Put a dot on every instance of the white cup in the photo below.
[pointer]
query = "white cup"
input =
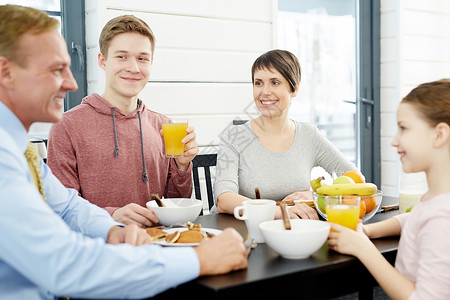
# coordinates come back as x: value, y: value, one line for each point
x: 255, y: 212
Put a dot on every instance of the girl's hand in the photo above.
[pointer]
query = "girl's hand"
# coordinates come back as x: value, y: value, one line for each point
x: 347, y: 241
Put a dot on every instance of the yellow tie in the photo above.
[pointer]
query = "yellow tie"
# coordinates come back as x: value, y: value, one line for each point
x: 33, y: 163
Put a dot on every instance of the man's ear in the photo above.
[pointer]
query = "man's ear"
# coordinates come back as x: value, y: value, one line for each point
x: 101, y: 61
x: 6, y: 73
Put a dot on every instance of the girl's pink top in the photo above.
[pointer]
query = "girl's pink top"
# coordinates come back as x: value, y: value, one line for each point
x: 424, y: 249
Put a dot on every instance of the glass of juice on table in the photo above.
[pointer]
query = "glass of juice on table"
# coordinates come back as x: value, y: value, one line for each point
x: 174, y: 130
x: 412, y: 188
x: 343, y: 210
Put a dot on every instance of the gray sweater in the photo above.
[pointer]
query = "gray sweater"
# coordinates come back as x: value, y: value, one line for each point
x: 244, y: 164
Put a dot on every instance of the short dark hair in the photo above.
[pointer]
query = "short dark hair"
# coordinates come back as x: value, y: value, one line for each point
x: 284, y: 62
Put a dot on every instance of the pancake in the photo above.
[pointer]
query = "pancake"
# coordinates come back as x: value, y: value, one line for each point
x: 156, y: 233
x: 191, y: 236
x: 173, y: 237
x: 193, y: 226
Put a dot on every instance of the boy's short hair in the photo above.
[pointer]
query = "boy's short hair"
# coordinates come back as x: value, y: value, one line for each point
x: 124, y: 24
x: 15, y: 21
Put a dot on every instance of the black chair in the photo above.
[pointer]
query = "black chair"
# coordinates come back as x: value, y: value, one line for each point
x: 204, y: 161
x: 239, y: 122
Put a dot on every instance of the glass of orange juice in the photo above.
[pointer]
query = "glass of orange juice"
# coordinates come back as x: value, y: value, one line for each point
x: 343, y: 210
x: 174, y: 130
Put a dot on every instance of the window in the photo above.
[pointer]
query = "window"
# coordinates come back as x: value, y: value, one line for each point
x: 337, y: 43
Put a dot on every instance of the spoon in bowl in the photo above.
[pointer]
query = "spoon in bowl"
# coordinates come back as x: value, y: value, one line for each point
x: 284, y: 213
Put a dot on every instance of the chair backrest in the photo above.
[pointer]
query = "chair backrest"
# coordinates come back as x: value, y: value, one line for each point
x: 204, y: 161
x: 239, y: 122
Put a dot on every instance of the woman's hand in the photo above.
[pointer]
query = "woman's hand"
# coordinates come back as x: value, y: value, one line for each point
x: 298, y: 211
x: 299, y: 195
x: 303, y: 211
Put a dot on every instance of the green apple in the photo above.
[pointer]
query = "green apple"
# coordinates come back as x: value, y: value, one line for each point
x: 321, y: 203
x: 343, y: 180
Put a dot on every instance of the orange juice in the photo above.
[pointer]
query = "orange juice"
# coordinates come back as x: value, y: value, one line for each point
x: 173, y: 134
x: 345, y: 215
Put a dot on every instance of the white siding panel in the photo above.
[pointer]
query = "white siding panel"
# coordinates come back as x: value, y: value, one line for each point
x: 388, y: 152
x: 198, y: 98
x: 202, y: 65
x: 441, y: 6
x: 431, y: 49
x: 388, y: 124
x: 389, y: 73
x: 425, y: 23
x: 417, y: 72
x: 386, y: 47
x: 255, y: 10
x: 173, y: 31
x: 390, y: 100
x: 389, y: 24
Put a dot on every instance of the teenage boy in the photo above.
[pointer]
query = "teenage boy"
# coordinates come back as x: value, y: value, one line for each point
x: 109, y: 148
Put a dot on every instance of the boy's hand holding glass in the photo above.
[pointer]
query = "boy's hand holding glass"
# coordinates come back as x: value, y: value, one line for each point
x: 180, y: 141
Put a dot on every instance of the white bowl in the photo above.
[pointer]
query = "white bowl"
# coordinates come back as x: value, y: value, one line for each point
x: 305, y: 237
x: 378, y: 198
x: 177, y: 210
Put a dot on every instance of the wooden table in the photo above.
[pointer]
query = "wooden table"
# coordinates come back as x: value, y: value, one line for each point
x: 323, y: 275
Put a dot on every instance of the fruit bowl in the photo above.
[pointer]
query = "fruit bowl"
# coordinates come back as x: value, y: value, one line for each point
x: 319, y: 203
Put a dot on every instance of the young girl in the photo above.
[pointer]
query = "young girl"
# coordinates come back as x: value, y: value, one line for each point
x: 422, y: 267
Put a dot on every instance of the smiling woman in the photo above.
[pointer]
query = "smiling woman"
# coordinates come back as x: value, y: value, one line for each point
x: 273, y: 152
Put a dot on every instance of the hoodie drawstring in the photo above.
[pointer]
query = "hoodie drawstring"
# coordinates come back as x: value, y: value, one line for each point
x: 144, y: 174
x: 116, y: 149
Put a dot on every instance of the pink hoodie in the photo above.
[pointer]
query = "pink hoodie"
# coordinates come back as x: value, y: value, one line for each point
x: 97, y: 150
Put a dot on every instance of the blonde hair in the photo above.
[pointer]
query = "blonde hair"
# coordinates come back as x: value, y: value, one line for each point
x: 123, y: 24
x: 432, y: 99
x: 16, y: 21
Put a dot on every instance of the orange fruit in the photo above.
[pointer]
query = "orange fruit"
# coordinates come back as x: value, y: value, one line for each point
x: 357, y: 176
x: 362, y: 209
x: 370, y: 203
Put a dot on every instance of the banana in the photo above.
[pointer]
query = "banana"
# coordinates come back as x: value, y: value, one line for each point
x: 360, y: 189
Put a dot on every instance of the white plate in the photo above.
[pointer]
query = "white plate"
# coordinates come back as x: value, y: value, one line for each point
x: 172, y: 230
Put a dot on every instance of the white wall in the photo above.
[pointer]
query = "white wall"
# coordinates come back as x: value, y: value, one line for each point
x: 203, y: 56
x: 415, y: 48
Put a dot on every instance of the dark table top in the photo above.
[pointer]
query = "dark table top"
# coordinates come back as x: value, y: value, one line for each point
x: 324, y: 274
